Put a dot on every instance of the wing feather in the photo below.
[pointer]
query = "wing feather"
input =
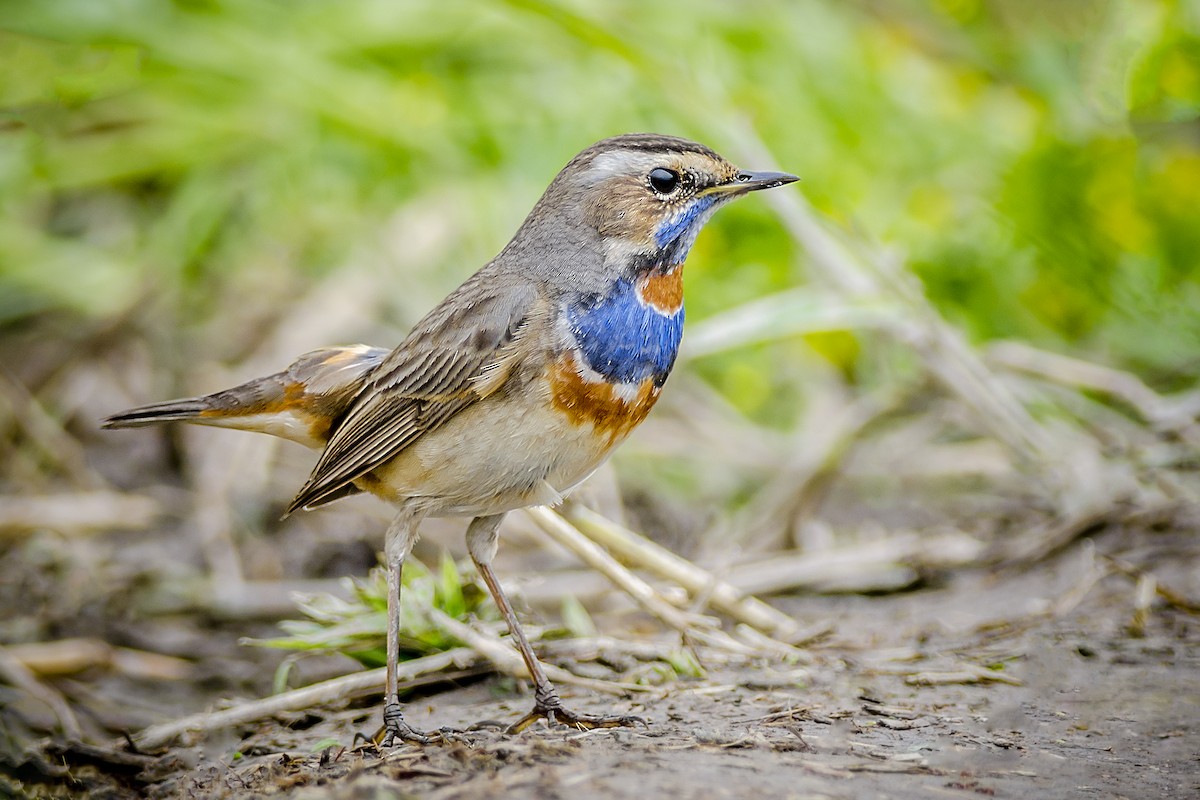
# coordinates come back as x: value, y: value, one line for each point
x: 449, y: 362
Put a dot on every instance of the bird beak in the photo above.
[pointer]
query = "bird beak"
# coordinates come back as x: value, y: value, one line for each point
x: 747, y: 181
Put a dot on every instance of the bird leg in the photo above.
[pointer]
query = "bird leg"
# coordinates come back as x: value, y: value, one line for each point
x: 401, y: 536
x: 481, y: 543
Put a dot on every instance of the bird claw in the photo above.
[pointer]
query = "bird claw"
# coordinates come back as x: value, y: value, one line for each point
x: 550, y: 708
x: 396, y: 730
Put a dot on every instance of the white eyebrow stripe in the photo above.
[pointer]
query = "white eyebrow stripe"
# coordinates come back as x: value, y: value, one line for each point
x: 621, y: 162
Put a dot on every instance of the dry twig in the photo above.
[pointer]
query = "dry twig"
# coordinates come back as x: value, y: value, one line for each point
x: 724, y: 597
x: 68, y: 656
x: 857, y: 567
x: 17, y: 674
x: 337, y: 689
x: 508, y: 661
x: 46, y: 433
x: 1043, y: 540
x: 77, y: 512
x: 566, y: 534
x: 799, y: 483
x: 966, y: 673
x: 1170, y: 414
x: 1143, y: 599
x: 1169, y: 595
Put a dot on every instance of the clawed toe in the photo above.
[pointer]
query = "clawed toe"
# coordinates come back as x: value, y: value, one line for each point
x: 396, y: 730
x: 390, y: 737
x: 553, y: 712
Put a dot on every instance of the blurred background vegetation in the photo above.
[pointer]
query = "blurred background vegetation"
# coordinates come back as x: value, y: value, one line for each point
x: 170, y: 164
x: 178, y: 178
x: 181, y: 181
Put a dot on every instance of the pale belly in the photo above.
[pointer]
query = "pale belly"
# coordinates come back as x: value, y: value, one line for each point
x: 498, y: 455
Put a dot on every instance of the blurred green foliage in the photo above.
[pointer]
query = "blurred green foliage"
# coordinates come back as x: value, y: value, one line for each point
x: 358, y: 627
x: 1039, y: 162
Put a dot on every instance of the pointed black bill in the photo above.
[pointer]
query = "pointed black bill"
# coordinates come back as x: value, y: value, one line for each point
x: 747, y: 181
x: 752, y: 181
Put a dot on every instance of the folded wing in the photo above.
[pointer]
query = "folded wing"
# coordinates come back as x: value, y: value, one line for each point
x: 461, y: 352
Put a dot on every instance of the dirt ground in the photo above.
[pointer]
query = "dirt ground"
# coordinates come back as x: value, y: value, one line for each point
x: 1071, y: 704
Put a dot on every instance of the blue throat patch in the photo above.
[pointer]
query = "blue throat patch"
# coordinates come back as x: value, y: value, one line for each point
x: 622, y: 339
x: 677, y: 226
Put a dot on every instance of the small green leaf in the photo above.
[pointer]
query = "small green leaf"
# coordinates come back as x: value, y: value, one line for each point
x: 279, y: 684
x: 450, y: 598
x: 576, y: 618
x: 685, y: 663
x: 357, y: 626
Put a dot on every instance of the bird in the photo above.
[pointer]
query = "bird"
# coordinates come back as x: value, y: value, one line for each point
x: 513, y: 389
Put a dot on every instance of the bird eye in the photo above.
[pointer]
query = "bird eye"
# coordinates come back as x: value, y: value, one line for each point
x: 663, y: 181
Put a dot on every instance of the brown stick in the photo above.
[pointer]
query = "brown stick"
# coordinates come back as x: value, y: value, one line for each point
x: 16, y: 673
x: 68, y: 656
x: 77, y: 512
x: 359, y: 683
x: 566, y: 534
x: 723, y: 596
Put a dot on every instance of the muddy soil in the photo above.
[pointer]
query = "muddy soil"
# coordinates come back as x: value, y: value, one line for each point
x: 1067, y: 703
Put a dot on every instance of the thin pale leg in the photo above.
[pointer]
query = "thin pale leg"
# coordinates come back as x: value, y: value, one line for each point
x: 401, y: 536
x: 481, y: 543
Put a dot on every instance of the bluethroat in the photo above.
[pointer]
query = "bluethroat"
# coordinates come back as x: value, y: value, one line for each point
x: 517, y: 386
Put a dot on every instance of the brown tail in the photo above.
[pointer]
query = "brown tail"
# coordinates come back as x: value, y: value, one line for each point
x: 303, y: 403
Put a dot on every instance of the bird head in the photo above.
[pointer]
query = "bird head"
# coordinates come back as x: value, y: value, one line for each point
x: 648, y: 196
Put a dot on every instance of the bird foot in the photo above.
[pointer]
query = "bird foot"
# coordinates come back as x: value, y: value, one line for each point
x: 550, y: 708
x: 396, y: 730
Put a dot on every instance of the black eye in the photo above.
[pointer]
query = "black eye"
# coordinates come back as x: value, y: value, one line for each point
x: 663, y: 181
